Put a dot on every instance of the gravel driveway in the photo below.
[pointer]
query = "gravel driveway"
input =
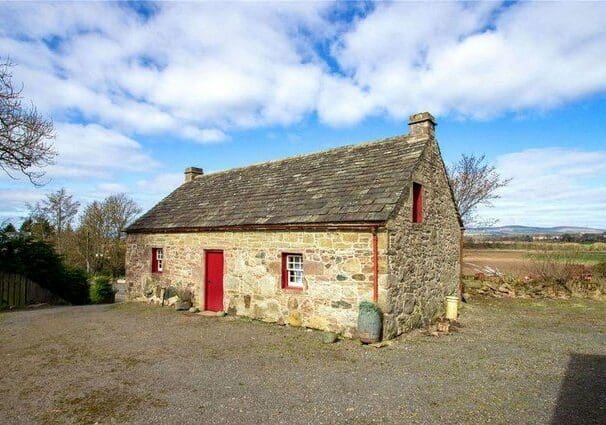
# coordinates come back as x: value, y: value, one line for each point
x: 512, y: 362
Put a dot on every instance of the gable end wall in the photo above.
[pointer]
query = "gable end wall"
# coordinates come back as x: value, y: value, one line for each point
x: 423, y: 259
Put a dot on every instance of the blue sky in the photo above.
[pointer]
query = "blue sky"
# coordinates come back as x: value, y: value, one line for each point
x: 138, y: 92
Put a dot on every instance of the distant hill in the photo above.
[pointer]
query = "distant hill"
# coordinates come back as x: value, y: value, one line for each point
x: 528, y: 230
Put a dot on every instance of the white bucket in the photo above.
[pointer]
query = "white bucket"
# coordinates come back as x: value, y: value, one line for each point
x: 452, y: 305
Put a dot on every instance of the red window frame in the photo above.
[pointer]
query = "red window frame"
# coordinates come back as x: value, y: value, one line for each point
x: 417, y: 203
x: 157, y: 266
x: 285, y: 271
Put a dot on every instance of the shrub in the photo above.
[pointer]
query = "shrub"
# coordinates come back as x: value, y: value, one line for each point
x: 75, y: 282
x: 600, y: 269
x: 101, y: 290
x: 553, y: 268
x: 38, y: 261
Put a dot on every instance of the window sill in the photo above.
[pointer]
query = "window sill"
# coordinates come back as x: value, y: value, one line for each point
x: 292, y: 289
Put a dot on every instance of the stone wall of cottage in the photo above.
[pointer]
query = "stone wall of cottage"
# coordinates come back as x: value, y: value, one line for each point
x: 337, y: 266
x: 423, y: 259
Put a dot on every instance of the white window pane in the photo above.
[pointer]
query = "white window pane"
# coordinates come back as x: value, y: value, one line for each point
x: 295, y: 279
x: 294, y: 262
x: 294, y: 270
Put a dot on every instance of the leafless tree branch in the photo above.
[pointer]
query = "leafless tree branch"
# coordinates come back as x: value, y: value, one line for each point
x: 474, y: 183
x: 25, y: 136
x: 59, y: 209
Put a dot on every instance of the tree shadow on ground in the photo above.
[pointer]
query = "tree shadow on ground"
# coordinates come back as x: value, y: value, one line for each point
x: 582, y: 398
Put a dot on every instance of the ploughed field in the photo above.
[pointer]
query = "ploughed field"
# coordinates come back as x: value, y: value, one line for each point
x: 512, y: 361
x: 522, y: 259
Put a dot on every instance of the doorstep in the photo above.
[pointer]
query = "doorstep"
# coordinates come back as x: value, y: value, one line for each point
x: 212, y: 313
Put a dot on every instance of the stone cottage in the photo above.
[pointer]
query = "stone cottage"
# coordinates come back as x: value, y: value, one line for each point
x: 305, y: 239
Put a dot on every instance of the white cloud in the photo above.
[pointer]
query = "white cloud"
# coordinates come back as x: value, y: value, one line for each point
x: 196, y: 71
x: 352, y: 105
x: 458, y: 58
x: 203, y: 135
x: 93, y: 150
x: 112, y: 188
x: 20, y: 196
x: 14, y: 202
x: 162, y: 183
x: 190, y: 71
x: 552, y: 186
x: 151, y: 190
x: 111, y: 78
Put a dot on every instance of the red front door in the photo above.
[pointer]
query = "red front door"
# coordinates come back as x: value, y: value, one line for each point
x: 213, y: 282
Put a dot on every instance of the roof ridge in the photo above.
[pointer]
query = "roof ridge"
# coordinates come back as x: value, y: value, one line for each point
x: 309, y: 154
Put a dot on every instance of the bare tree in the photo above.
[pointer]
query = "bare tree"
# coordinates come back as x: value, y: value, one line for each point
x: 90, y: 241
x: 100, y: 240
x: 474, y: 183
x: 59, y: 209
x: 120, y: 210
x: 24, y: 135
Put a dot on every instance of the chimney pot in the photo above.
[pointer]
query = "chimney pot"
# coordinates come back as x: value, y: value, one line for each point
x: 422, y: 123
x: 192, y: 172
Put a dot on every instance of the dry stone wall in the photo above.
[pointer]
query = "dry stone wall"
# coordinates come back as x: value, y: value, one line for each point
x: 338, y: 273
x: 423, y: 258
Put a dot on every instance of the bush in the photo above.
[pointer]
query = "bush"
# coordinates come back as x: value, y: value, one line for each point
x: 38, y: 261
x: 75, y: 282
x: 600, y: 269
x: 101, y: 290
x: 549, y: 267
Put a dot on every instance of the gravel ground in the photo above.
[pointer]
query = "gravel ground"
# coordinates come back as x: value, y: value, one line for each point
x: 512, y: 362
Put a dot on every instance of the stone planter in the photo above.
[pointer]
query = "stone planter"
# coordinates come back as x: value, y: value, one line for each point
x: 369, y: 323
x: 182, y: 305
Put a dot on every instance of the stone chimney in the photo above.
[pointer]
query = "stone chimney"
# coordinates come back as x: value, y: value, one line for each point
x: 422, y: 124
x: 192, y: 172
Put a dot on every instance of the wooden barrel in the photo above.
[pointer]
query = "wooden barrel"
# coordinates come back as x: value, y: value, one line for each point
x: 369, y: 322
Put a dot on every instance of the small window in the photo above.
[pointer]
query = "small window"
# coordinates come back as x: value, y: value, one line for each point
x: 417, y: 203
x: 157, y: 260
x: 292, y: 271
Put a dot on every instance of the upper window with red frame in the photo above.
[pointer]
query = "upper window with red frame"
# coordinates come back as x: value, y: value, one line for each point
x: 417, y: 203
x: 157, y: 260
x: 292, y: 271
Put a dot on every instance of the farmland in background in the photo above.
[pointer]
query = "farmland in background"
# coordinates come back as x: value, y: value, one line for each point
x: 534, y: 269
x: 517, y: 258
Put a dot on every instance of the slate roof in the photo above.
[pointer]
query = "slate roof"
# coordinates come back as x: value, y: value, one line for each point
x: 352, y: 184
